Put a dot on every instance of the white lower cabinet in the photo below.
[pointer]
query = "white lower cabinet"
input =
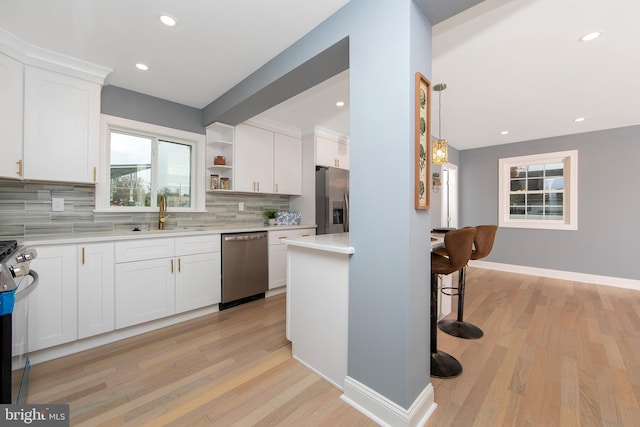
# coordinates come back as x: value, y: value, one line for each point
x: 53, y: 305
x: 198, y: 276
x: 96, y: 289
x: 144, y: 291
x: 156, y: 278
x: 278, y: 254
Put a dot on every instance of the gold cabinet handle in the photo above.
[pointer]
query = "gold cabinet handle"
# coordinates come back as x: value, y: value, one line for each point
x: 178, y: 265
x: 283, y: 237
x: 94, y: 174
x: 258, y: 185
x: 19, y: 162
x: 172, y: 266
x: 83, y: 255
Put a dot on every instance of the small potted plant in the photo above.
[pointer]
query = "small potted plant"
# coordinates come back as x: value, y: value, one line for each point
x: 271, y: 215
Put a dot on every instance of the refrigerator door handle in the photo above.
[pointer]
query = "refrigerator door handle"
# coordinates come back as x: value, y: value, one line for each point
x: 345, y: 225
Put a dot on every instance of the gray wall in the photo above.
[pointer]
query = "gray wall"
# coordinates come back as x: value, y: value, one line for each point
x: 389, y: 40
x: 120, y: 102
x: 608, y: 204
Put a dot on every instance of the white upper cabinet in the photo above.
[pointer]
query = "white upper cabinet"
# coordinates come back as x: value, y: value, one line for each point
x: 11, y: 117
x: 267, y: 161
x: 332, y: 152
x: 287, y: 165
x: 253, y: 168
x: 61, y: 127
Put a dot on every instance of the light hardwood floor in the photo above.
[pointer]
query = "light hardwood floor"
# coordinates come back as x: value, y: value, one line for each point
x: 555, y: 353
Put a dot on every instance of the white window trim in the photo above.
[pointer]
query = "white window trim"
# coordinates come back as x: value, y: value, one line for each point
x: 570, y: 208
x: 109, y: 123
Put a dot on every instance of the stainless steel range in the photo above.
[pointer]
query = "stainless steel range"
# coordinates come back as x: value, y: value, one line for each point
x: 16, y: 282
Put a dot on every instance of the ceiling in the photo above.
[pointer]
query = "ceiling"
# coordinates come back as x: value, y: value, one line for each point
x: 511, y: 65
x: 214, y: 46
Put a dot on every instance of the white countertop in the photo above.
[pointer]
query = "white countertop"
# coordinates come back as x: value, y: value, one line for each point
x: 437, y: 239
x: 55, y: 239
x: 338, y: 243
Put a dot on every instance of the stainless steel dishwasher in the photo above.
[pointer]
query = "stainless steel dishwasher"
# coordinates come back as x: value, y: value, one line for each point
x: 245, y: 267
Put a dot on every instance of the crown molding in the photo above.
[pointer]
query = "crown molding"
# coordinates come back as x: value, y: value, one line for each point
x: 36, y: 56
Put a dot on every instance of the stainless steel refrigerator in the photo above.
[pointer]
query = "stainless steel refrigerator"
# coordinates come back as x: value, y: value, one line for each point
x: 332, y: 200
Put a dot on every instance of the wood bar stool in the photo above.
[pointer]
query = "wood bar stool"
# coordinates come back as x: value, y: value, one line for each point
x: 459, y: 244
x: 483, y: 243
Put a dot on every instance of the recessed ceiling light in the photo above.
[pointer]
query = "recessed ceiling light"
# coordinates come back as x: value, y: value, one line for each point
x: 340, y: 104
x: 142, y: 67
x: 167, y: 20
x: 504, y: 132
x: 579, y: 119
x: 590, y: 36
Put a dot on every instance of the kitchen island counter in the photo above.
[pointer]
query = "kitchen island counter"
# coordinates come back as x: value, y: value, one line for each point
x: 338, y: 243
x: 318, y: 302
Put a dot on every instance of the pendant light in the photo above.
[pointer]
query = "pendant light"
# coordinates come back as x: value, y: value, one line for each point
x: 440, y: 149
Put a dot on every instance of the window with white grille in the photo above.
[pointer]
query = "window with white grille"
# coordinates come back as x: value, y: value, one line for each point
x: 539, y: 191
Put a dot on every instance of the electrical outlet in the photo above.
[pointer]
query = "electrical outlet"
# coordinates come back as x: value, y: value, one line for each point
x: 241, y: 206
x: 57, y: 204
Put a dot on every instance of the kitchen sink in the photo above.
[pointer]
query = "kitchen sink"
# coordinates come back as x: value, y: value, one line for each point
x: 167, y: 230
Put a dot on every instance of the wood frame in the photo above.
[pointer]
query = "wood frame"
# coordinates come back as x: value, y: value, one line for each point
x: 422, y: 141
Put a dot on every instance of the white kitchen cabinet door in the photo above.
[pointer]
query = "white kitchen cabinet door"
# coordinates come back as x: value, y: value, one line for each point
x: 253, y: 157
x: 96, y: 289
x: 287, y: 164
x: 278, y: 254
x: 11, y: 117
x: 145, y: 291
x: 277, y: 266
x: 332, y: 153
x: 61, y: 127
x: 197, y: 281
x: 53, y: 305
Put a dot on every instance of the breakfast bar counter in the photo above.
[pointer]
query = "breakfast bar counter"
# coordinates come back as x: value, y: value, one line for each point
x: 318, y: 303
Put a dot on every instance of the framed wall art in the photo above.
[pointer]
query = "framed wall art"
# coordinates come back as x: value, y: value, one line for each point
x: 423, y: 139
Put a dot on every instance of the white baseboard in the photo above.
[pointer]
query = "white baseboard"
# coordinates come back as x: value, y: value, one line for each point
x: 77, y: 346
x: 618, y: 282
x: 276, y: 291
x: 385, y: 412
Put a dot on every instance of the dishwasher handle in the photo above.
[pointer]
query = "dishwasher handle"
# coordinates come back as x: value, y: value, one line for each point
x: 245, y: 237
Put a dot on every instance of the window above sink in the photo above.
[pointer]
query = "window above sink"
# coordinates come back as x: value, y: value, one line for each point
x: 141, y: 161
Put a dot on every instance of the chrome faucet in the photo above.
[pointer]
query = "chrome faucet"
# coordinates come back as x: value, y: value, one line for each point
x: 163, y: 208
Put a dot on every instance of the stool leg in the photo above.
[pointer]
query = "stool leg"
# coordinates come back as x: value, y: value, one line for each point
x: 461, y: 279
x: 443, y: 365
x: 459, y: 328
